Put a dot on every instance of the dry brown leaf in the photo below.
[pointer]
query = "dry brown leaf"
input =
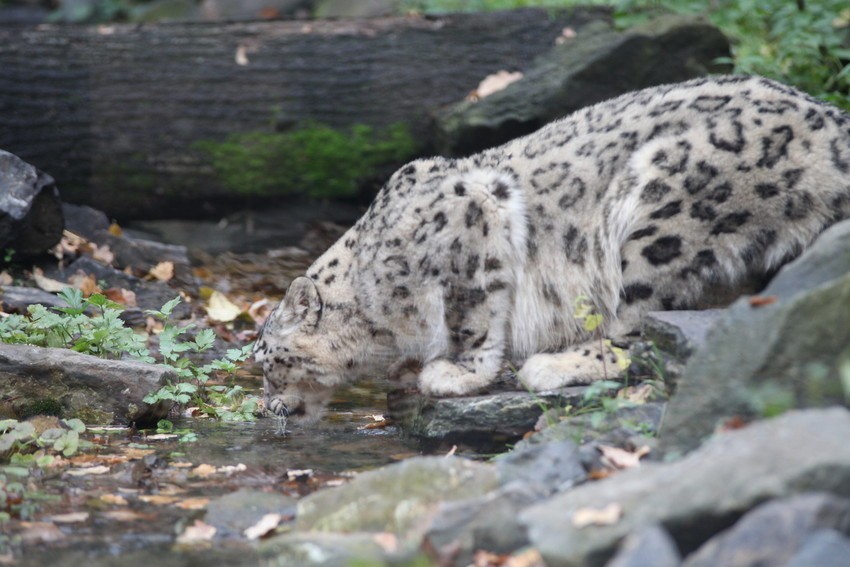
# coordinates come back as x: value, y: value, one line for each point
x: 70, y: 518
x: 388, y: 541
x: 163, y: 271
x: 241, y: 56
x: 619, y: 459
x: 222, y: 309
x: 487, y: 559
x: 134, y: 453
x: 636, y: 394
x: 86, y: 283
x: 259, y: 310
x: 203, y: 470
x: 295, y: 474
x: 158, y: 499
x: 494, y: 83
x: 120, y: 295
x: 607, y: 516
x: 197, y: 533
x: 266, y: 524
x: 5, y: 278
x: 161, y: 437
x: 566, y: 35
x: 102, y: 254
x: 762, y: 300
x: 114, y: 499
x: 86, y: 460
x: 40, y: 532
x: 45, y: 283
x: 526, y: 558
x: 198, y: 503
x: 125, y: 515
x: 230, y: 469
x: 115, y: 230
x: 100, y: 469
x: 182, y: 465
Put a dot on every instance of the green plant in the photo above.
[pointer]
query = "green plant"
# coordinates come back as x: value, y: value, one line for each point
x: 8, y: 254
x: 24, y: 446
x: 313, y: 159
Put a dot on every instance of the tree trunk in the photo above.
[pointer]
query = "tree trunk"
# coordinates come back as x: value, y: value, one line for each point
x: 113, y: 112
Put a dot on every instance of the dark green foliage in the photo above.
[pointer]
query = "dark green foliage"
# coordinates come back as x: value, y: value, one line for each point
x: 313, y: 160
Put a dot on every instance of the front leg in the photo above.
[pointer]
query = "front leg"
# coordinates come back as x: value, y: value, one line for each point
x: 580, y: 364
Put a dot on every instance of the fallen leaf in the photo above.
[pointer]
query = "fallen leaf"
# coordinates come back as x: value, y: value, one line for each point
x: 120, y: 295
x: 762, y: 300
x: 158, y: 499
x: 115, y: 230
x: 134, y: 454
x: 452, y: 451
x: 230, y: 469
x: 102, y: 254
x: 86, y: 283
x: 526, y: 558
x: 114, y: 499
x: 607, y: 516
x: 161, y: 437
x: 617, y: 458
x: 203, y: 470
x: 259, y: 310
x: 241, y: 56
x: 5, y: 278
x: 45, y: 283
x: 70, y: 518
x: 90, y: 460
x: 125, y: 515
x: 388, y: 541
x: 198, y: 503
x: 266, y: 524
x: 299, y: 474
x: 493, y: 84
x: 101, y: 469
x: 222, y: 309
x: 636, y: 394
x: 486, y: 559
x: 40, y: 532
x: 566, y: 35
x: 163, y: 271
x: 197, y: 533
x: 182, y: 465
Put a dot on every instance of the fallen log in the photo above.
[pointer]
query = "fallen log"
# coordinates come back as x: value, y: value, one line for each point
x: 114, y: 112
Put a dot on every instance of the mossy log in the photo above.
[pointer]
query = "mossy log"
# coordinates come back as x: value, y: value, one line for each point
x: 113, y: 112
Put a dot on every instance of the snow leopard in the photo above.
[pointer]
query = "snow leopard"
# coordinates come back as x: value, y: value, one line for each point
x: 638, y: 203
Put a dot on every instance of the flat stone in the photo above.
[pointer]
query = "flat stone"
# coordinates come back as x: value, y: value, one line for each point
x: 703, y: 493
x: 552, y: 467
x: 492, y: 419
x: 83, y: 220
x: 234, y: 513
x: 396, y: 498
x: 647, y: 547
x: 322, y: 548
x: 96, y: 390
x: 17, y: 298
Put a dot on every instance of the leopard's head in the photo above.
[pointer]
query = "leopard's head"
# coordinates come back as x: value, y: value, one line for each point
x: 299, y: 364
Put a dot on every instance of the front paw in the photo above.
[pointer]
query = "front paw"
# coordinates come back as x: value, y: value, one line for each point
x: 442, y: 378
x: 544, y: 372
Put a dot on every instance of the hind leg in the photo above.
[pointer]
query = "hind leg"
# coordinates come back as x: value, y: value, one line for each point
x: 579, y: 364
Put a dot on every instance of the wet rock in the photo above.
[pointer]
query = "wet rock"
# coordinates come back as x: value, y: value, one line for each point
x: 679, y: 333
x: 30, y: 210
x: 16, y: 299
x: 490, y: 419
x: 824, y: 548
x: 489, y: 522
x: 96, y: 390
x: 234, y: 513
x: 761, y: 359
x: 625, y: 426
x: 326, y: 549
x: 577, y: 73
x: 143, y: 255
x: 772, y: 533
x: 395, y: 498
x: 703, y: 493
x: 84, y: 221
x: 356, y: 8
x: 647, y: 547
x: 551, y: 467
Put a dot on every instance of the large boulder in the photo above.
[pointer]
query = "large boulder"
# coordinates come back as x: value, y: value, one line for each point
x: 787, y: 349
x: 703, y: 493
x: 69, y: 384
x: 595, y: 65
x: 30, y: 210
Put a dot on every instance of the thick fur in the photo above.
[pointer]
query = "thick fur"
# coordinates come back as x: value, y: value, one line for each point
x: 638, y: 203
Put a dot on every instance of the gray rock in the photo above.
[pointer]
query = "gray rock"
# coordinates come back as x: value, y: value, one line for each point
x: 648, y: 547
x: 489, y: 522
x: 145, y: 254
x: 679, y: 333
x: 395, y: 498
x: 493, y: 418
x: 577, y: 74
x: 84, y: 221
x: 30, y: 210
x: 242, y: 10
x: 96, y: 390
x: 762, y: 360
x: 552, y: 466
x: 325, y: 549
x: 356, y: 8
x: 773, y: 532
x: 234, y: 513
x: 703, y: 493
x: 16, y: 298
x: 824, y: 548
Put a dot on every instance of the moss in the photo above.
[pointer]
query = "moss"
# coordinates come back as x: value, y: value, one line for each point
x: 93, y: 416
x: 313, y: 159
x: 40, y: 406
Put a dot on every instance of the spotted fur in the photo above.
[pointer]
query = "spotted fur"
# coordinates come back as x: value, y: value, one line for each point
x: 641, y: 202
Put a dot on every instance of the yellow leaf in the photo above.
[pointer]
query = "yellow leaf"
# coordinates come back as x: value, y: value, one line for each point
x: 592, y: 322
x: 222, y: 309
x: 115, y: 230
x: 607, y: 516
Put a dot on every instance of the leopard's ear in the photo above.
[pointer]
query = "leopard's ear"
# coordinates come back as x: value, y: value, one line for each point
x: 302, y: 303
